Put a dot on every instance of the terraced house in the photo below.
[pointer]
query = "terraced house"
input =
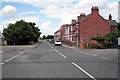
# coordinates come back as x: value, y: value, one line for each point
x: 80, y: 31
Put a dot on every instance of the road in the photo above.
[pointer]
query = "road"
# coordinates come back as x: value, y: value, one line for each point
x: 49, y: 61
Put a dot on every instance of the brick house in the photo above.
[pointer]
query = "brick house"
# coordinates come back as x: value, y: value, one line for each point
x: 94, y: 24
x: 65, y: 34
x: 81, y: 31
x: 57, y: 35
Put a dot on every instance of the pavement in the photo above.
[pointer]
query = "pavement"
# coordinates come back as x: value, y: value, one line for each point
x: 48, y: 61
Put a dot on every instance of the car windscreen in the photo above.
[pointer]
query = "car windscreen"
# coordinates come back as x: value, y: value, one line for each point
x: 57, y: 41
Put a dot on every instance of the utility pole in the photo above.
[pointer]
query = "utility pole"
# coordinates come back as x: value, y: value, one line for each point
x: 77, y: 33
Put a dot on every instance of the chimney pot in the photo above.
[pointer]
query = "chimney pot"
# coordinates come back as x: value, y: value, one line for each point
x: 73, y: 20
x: 110, y: 17
x: 78, y: 18
x: 95, y: 10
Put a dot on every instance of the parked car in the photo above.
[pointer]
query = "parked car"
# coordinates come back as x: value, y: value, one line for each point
x: 51, y: 40
x: 58, y: 43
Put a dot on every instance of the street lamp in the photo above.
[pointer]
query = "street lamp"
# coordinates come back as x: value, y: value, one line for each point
x: 77, y: 33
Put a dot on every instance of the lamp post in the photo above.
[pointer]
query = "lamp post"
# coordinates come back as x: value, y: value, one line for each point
x: 77, y: 33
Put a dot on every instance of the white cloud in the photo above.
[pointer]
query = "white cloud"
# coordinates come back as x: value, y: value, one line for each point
x: 13, y: 20
x: 8, y: 10
x: 47, y: 28
x: 46, y: 25
x: 1, y: 28
x: 27, y: 1
x: 30, y: 12
x: 13, y: 16
x: 30, y: 18
x: 66, y: 10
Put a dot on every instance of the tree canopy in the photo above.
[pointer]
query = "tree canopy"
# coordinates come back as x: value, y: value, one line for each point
x: 48, y: 37
x: 21, y: 33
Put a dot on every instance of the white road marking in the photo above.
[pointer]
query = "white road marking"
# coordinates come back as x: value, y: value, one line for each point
x: 20, y: 53
x: 83, y: 71
x: 76, y: 65
x: 103, y: 57
x: 55, y: 50
x: 106, y: 58
x: 94, y: 54
x: 71, y: 47
x: 2, y: 63
x: 62, y: 55
x: 51, y: 47
x: 27, y: 50
x: 1, y: 51
x: 99, y: 50
x: 117, y: 61
x: 68, y: 46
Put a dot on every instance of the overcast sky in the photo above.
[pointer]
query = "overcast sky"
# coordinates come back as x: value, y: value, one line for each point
x: 50, y: 14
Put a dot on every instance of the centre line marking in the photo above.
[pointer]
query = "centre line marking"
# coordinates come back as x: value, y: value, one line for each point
x: 83, y: 71
x: 94, y: 54
x: 62, y: 55
x: 76, y: 65
x: 103, y: 57
x: 57, y: 51
x: 106, y: 58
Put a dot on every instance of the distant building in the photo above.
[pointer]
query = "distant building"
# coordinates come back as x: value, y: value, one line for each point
x: 80, y: 31
x: 57, y: 35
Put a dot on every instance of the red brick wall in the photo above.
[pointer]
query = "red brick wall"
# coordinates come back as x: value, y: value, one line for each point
x: 93, y: 25
x: 61, y: 33
x: 73, y: 33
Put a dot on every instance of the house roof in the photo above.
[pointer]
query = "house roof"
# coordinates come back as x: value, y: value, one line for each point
x: 113, y: 22
x: 83, y: 18
x: 57, y: 31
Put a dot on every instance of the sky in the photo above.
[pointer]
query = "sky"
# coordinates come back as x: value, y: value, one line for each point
x: 49, y: 15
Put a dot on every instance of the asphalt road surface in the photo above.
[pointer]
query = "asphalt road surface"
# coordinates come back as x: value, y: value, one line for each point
x: 49, y: 61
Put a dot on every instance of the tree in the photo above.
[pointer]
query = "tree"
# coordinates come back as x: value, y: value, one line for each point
x: 44, y: 37
x: 50, y: 36
x: 113, y: 37
x: 21, y: 33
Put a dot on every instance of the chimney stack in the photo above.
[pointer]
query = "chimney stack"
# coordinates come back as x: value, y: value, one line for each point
x: 82, y: 15
x: 78, y: 18
x: 95, y: 10
x: 110, y: 17
x: 73, y: 21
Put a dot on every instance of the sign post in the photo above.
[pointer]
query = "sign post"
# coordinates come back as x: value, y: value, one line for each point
x: 119, y: 41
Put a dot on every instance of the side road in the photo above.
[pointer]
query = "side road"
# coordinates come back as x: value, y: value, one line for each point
x: 11, y: 52
x: 17, y: 47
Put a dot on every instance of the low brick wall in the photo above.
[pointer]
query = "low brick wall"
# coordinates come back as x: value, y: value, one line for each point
x: 66, y: 42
